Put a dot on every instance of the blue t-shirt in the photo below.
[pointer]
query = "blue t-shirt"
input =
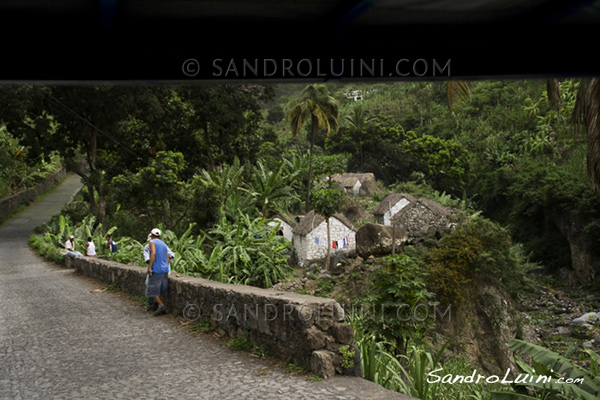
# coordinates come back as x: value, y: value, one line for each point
x: 160, y: 265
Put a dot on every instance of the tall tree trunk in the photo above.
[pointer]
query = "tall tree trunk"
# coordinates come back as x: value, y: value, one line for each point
x: 328, y: 258
x: 210, y: 154
x: 315, y: 128
x: 101, y: 198
x: 91, y: 183
x: 360, y: 150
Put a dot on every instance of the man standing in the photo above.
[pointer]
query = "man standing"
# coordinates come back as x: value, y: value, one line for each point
x: 151, y: 303
x: 158, y: 271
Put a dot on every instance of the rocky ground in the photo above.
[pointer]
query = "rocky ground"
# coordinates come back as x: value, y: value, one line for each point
x: 563, y: 316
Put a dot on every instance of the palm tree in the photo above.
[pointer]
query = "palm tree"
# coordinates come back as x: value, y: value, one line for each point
x: 359, y: 119
x: 315, y: 103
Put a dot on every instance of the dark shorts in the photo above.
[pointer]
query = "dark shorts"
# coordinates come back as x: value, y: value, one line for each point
x: 158, y: 285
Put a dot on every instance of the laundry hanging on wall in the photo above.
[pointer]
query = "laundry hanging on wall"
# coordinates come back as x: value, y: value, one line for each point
x: 335, y: 244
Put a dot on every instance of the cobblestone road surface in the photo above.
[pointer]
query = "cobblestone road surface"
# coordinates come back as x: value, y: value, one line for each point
x: 60, y: 341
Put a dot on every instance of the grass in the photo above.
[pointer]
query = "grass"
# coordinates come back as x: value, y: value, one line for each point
x: 202, y: 326
x: 113, y: 287
x: 142, y: 300
x: 296, y: 370
x: 244, y: 343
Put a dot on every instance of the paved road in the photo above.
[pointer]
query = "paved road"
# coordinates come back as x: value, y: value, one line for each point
x: 60, y: 341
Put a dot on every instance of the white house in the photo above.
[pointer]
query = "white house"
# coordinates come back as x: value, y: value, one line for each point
x: 310, y: 236
x: 287, y: 224
x: 390, y: 206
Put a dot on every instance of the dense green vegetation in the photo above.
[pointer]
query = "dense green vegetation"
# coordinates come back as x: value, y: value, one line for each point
x: 212, y: 165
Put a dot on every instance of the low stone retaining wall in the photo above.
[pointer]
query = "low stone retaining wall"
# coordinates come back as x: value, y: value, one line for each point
x: 9, y: 204
x: 304, y: 329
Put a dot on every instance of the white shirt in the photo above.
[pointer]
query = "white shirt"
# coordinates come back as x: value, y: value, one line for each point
x: 91, y: 249
x: 69, y: 246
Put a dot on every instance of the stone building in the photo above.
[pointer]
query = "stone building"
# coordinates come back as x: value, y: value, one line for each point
x: 358, y: 184
x: 390, y: 206
x: 424, y: 217
x: 310, y: 236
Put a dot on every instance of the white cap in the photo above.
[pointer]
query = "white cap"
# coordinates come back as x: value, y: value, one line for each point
x: 71, y: 237
x: 155, y: 232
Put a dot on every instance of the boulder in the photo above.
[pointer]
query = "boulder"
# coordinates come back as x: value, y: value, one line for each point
x: 376, y: 240
x: 587, y: 318
x: 321, y: 363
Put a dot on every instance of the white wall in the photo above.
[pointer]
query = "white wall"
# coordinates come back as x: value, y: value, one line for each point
x: 387, y: 217
x: 287, y: 229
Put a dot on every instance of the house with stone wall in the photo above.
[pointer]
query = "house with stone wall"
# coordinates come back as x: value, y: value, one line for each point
x: 390, y: 206
x: 424, y: 217
x: 310, y: 236
x: 357, y: 184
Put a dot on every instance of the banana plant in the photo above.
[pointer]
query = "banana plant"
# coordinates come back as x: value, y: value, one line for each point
x: 553, y: 376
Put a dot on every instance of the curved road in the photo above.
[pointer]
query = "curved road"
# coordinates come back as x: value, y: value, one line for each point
x: 60, y: 341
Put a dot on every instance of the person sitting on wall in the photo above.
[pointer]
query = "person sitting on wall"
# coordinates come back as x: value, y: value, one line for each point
x: 90, y: 248
x: 70, y: 247
x: 111, y: 245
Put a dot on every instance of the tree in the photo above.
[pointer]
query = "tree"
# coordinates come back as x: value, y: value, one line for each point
x: 70, y: 120
x: 359, y: 119
x: 327, y: 202
x: 271, y: 188
x: 315, y: 103
x: 587, y: 112
x: 224, y: 121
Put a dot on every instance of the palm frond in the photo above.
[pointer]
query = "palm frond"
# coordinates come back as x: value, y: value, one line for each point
x: 458, y: 91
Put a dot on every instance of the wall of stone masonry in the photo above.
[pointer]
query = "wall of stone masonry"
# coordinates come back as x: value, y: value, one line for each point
x: 293, y: 327
x: 9, y: 204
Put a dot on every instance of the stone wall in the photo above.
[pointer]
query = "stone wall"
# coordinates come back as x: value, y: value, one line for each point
x: 9, y: 204
x: 293, y: 327
x: 418, y: 219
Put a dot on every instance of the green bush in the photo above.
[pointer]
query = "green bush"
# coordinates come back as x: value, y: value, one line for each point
x: 477, y: 251
x: 395, y: 299
x: 45, y: 247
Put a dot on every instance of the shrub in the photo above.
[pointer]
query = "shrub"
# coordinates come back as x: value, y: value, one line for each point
x: 398, y: 290
x: 479, y: 250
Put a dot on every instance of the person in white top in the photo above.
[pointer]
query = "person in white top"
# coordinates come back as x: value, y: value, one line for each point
x: 70, y: 244
x: 90, y: 248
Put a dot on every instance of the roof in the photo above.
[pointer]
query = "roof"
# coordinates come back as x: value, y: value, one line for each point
x: 390, y: 201
x: 287, y: 218
x: 312, y: 220
x: 434, y: 207
x: 350, y: 179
